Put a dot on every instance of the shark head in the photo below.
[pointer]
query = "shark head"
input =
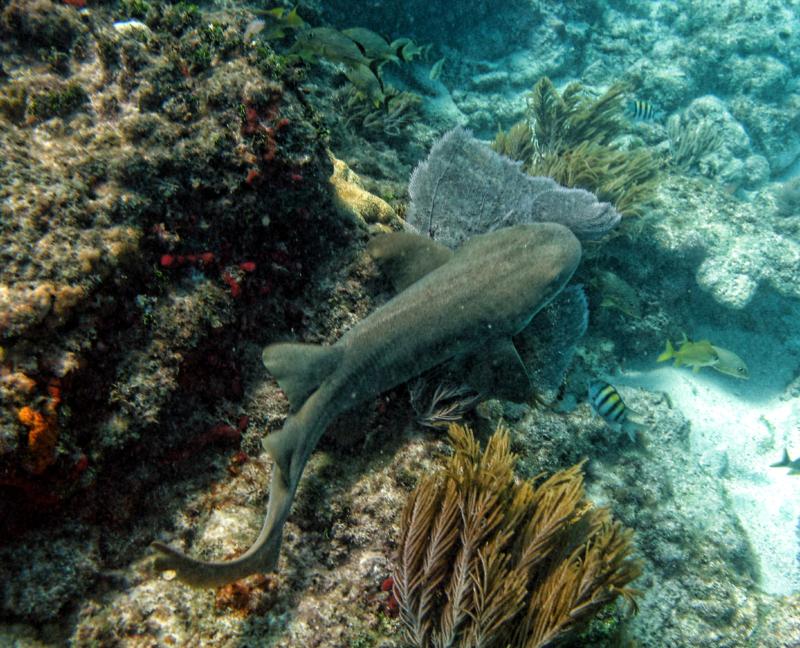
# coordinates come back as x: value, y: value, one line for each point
x: 524, y: 267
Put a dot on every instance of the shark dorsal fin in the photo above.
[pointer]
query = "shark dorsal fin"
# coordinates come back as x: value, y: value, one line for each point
x: 405, y: 257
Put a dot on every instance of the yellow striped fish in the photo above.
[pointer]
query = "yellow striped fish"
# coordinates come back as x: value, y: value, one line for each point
x: 608, y: 405
x: 641, y: 110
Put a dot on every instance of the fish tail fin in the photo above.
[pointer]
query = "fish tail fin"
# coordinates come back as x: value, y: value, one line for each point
x: 300, y: 368
x: 669, y: 352
x: 785, y: 461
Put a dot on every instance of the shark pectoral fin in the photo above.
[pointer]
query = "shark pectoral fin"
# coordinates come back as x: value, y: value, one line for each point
x: 547, y: 345
x: 405, y: 257
x: 300, y: 368
x: 499, y: 372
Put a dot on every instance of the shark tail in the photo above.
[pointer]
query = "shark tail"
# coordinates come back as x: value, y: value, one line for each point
x: 669, y: 352
x: 290, y: 447
x: 261, y: 557
x: 300, y: 368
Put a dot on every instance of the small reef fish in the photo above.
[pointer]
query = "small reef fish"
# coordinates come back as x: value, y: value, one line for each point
x: 786, y: 462
x: 279, y: 20
x: 694, y: 354
x: 729, y: 363
x: 617, y: 293
x: 436, y: 69
x: 608, y: 405
x: 330, y: 44
x: 641, y: 110
x: 254, y: 28
x: 704, y: 354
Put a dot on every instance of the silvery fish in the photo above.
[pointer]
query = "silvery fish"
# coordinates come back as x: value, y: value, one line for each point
x: 253, y: 28
x: 730, y: 363
x: 608, y: 405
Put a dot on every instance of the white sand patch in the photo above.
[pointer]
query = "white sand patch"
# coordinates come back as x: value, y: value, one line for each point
x: 738, y: 428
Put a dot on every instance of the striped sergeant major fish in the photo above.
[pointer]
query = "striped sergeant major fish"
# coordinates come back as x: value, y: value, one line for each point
x: 608, y: 405
x: 641, y: 110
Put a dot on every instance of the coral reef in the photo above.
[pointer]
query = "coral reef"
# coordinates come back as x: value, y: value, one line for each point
x: 166, y: 210
x: 354, y: 201
x: 164, y: 187
x: 485, y: 560
x: 574, y: 143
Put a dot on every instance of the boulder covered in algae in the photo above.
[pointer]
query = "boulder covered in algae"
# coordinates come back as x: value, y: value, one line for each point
x: 164, y: 194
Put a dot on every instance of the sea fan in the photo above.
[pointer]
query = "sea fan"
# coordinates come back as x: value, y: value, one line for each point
x: 464, y: 188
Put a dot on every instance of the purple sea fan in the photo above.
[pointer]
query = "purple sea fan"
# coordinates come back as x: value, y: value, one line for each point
x: 464, y: 188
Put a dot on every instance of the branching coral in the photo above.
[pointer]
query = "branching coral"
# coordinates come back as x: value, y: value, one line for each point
x: 440, y: 403
x: 690, y: 140
x: 624, y: 178
x: 389, y: 118
x: 516, y: 143
x: 574, y: 136
x: 561, y: 122
x: 484, y: 560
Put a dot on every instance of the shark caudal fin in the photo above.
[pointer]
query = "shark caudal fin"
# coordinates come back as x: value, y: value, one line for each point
x: 300, y: 368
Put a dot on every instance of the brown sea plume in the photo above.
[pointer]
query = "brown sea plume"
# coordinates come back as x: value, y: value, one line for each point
x: 487, y: 560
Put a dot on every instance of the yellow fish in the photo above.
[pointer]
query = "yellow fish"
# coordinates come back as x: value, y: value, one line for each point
x: 694, y: 354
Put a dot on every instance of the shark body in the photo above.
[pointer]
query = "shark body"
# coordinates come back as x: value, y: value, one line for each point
x: 463, y: 306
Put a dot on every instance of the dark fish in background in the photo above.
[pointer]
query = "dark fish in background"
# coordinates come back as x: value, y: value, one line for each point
x: 407, y: 50
x: 641, y: 110
x: 330, y: 44
x: 373, y: 46
x: 786, y: 462
x: 608, y: 405
x: 366, y: 82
